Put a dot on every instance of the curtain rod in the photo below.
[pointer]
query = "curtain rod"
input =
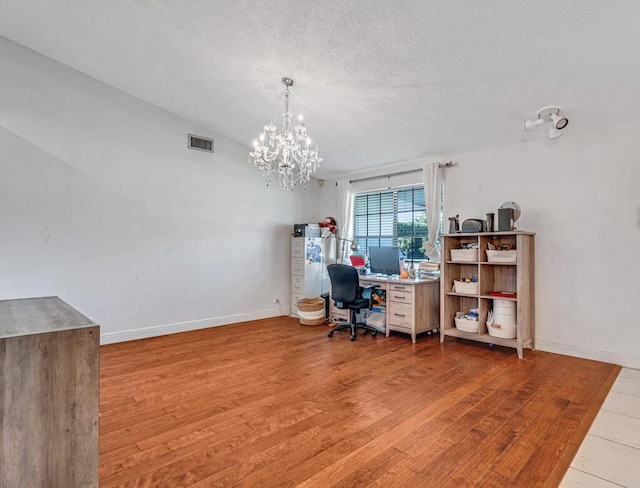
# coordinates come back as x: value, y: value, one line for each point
x: 441, y: 165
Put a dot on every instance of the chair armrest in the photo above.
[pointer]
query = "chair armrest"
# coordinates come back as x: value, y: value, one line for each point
x: 367, y: 291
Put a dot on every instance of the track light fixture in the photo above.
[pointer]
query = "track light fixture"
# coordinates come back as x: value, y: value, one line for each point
x: 532, y: 124
x: 554, y: 116
x: 558, y: 121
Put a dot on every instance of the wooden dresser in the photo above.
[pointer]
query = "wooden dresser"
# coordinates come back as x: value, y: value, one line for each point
x: 49, y: 395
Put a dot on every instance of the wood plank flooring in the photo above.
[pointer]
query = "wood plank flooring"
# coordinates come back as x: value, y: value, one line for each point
x: 273, y: 403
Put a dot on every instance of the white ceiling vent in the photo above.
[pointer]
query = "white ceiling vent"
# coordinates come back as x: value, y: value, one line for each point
x: 200, y: 143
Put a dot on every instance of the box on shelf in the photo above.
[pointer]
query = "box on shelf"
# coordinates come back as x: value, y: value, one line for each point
x: 502, y: 256
x: 464, y: 255
x: 466, y: 288
x: 501, y: 330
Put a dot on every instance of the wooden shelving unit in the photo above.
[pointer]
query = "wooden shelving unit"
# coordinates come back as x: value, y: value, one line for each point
x: 515, y: 277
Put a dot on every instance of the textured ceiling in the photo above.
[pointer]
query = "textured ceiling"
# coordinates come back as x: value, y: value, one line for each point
x: 379, y: 81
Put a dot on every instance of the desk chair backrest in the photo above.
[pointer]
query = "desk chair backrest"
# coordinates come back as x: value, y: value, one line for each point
x: 345, y: 283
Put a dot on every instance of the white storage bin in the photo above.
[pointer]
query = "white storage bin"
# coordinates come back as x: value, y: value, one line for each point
x: 504, y: 319
x: 466, y: 288
x: 467, y: 255
x: 504, y: 304
x: 501, y: 330
x: 504, y: 312
x: 466, y: 325
x: 502, y: 256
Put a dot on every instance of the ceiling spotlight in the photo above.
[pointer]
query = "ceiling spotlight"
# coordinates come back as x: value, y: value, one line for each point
x: 558, y: 121
x: 532, y: 124
x: 553, y: 115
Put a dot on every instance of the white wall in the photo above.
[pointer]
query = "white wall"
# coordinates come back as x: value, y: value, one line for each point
x: 102, y: 204
x: 580, y: 193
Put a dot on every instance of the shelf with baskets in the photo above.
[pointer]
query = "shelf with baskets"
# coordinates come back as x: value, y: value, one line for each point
x: 491, y: 273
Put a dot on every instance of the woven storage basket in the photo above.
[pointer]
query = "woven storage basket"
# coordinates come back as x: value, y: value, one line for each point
x: 311, y: 311
x: 468, y: 255
x: 466, y: 288
x: 466, y: 325
x: 503, y: 331
x: 502, y: 256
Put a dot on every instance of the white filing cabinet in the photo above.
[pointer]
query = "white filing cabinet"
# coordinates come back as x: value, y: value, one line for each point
x: 309, y: 259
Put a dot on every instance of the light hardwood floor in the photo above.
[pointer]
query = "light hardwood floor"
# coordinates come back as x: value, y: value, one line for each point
x: 274, y: 403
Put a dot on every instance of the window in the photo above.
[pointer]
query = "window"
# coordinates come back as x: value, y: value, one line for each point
x: 391, y: 218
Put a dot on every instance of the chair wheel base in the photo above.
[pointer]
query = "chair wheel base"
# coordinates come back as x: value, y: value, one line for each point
x: 353, y: 337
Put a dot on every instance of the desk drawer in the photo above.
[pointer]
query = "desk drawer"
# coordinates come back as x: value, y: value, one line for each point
x: 365, y: 283
x: 400, y: 296
x: 401, y: 288
x: 401, y: 314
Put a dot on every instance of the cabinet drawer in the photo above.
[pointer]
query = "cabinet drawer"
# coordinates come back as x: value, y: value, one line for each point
x: 297, y: 266
x: 297, y: 247
x: 401, y: 314
x: 297, y: 285
x: 295, y: 298
x: 400, y: 296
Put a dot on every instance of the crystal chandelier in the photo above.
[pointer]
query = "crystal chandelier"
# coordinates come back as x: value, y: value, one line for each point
x: 287, y: 153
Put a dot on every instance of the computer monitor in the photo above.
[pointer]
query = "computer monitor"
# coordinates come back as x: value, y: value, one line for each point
x: 384, y: 260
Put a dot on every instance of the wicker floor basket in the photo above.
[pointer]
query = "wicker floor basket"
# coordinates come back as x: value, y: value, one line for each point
x: 311, y: 311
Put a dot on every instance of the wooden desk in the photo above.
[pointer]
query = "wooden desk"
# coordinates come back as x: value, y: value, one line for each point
x: 49, y: 372
x: 412, y: 306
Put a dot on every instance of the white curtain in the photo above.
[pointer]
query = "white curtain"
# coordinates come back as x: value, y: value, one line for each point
x: 345, y: 225
x: 431, y: 173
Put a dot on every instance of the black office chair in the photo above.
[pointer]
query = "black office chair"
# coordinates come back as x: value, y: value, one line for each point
x: 346, y: 293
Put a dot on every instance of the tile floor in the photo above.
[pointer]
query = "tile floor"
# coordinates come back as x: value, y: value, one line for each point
x: 609, y: 457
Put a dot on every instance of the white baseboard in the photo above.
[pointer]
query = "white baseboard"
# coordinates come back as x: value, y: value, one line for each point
x: 624, y: 360
x: 158, y: 330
